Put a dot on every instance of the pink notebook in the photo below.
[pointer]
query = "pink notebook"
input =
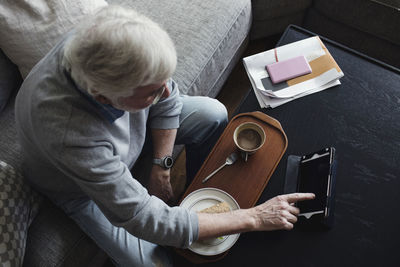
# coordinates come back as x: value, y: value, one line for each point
x: 288, y: 69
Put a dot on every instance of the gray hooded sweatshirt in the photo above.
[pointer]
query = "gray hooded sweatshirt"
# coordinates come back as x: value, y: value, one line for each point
x: 77, y: 148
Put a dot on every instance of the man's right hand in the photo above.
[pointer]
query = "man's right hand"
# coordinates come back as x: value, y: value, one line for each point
x: 160, y: 185
x: 278, y: 212
x: 275, y: 214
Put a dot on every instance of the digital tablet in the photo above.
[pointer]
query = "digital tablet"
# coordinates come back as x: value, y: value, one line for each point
x: 315, y: 173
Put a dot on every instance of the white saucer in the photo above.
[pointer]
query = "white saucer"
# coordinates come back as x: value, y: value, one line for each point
x: 204, y: 198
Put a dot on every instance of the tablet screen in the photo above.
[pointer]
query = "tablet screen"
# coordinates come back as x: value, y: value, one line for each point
x: 313, y: 178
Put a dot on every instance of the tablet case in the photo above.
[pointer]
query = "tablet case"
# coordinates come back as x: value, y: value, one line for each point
x: 316, y: 221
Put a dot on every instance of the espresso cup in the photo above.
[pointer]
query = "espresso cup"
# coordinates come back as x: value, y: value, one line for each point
x: 249, y: 137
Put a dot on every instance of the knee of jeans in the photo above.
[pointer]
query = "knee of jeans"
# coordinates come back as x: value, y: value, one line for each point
x: 214, y: 114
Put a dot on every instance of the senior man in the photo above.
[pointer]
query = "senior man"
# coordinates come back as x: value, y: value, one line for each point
x: 82, y: 117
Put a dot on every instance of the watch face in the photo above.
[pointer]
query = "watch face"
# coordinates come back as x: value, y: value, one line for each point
x: 168, y: 162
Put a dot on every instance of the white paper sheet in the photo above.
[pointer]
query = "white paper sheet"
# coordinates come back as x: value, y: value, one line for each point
x: 305, y: 86
x: 275, y: 95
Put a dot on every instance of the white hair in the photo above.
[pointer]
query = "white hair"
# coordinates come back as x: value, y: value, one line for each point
x: 117, y: 50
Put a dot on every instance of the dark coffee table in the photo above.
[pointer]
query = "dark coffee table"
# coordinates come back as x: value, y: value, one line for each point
x: 361, y: 119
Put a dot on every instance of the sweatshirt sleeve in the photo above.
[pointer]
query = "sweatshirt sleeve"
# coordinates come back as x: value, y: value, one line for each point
x: 88, y: 153
x: 123, y: 200
x: 165, y: 114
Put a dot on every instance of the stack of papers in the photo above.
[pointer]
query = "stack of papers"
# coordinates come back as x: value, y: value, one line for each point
x: 325, y: 72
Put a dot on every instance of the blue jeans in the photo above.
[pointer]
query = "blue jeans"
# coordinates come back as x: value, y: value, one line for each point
x: 202, y: 120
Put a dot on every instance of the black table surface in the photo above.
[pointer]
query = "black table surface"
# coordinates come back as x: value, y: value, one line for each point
x: 361, y: 119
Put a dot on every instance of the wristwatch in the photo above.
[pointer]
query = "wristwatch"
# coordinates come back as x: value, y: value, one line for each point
x: 165, y: 162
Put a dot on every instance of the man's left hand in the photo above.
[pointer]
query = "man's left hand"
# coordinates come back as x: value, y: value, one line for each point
x: 160, y: 184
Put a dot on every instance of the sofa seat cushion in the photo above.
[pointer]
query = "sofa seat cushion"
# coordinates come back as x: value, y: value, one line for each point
x: 18, y: 206
x: 206, y: 33
x: 9, y: 80
x: 54, y: 239
x: 10, y: 149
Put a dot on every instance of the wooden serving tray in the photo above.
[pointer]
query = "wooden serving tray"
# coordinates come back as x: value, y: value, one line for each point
x: 244, y: 181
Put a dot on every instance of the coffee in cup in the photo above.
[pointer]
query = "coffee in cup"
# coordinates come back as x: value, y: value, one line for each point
x: 249, y: 137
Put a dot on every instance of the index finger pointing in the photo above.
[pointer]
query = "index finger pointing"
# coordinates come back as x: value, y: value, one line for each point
x: 295, y: 197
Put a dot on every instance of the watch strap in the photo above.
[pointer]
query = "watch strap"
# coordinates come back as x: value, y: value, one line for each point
x: 165, y: 162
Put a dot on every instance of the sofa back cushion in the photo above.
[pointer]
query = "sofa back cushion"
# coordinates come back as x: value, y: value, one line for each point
x: 206, y: 34
x: 32, y: 28
x: 367, y: 26
x: 369, y: 16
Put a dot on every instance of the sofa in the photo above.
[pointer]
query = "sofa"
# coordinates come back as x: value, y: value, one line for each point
x: 210, y: 37
x: 369, y: 26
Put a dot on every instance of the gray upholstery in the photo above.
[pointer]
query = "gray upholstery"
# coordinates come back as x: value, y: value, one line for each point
x: 261, y: 29
x: 364, y: 25
x: 9, y: 79
x: 272, y: 17
x: 269, y: 9
x: 9, y: 147
x: 55, y: 240
x: 364, y: 15
x: 15, y: 211
x: 369, y: 26
x: 209, y: 35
